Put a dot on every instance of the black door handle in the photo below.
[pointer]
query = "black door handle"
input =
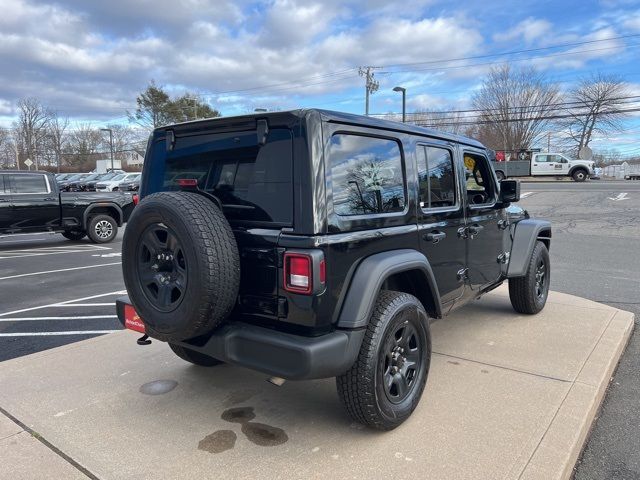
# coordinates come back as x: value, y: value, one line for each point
x: 3, y: 200
x: 475, y: 229
x: 435, y: 236
x: 49, y: 199
x: 462, y: 233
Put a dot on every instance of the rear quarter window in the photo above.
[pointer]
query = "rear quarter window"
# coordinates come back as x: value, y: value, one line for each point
x: 366, y: 175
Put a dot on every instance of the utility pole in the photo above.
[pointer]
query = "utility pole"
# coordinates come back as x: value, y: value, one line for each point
x: 371, y: 85
x: 15, y: 147
x: 548, y: 142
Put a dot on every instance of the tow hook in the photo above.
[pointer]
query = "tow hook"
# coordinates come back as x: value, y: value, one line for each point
x: 144, y: 340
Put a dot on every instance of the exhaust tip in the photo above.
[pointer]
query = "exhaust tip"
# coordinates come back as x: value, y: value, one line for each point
x: 277, y: 381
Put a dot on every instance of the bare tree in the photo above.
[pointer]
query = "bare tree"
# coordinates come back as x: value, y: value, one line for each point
x: 596, y: 106
x: 514, y: 106
x: 31, y: 128
x: 445, y: 120
x: 83, y: 145
x: 7, y: 149
x: 57, y: 137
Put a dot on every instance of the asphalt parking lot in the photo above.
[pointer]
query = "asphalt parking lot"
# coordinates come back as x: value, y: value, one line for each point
x: 56, y: 292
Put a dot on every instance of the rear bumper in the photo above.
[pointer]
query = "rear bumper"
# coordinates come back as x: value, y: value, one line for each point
x: 275, y: 353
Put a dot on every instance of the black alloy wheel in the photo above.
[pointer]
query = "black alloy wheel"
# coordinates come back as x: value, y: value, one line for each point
x: 402, y: 360
x: 162, y: 268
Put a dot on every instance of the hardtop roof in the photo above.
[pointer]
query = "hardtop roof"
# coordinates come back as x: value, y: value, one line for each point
x: 332, y: 116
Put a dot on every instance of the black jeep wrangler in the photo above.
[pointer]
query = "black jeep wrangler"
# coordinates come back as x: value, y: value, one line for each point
x: 313, y: 244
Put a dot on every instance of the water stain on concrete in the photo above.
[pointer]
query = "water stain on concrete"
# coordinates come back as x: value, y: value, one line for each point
x: 258, y: 433
x: 218, y: 442
x: 238, y: 415
x: 453, y: 363
x: 264, y: 435
x: 158, y: 387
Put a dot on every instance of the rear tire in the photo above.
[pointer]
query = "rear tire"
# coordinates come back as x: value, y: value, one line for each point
x: 580, y: 175
x: 102, y: 229
x: 386, y: 382
x: 74, y: 236
x: 194, y: 357
x: 529, y: 294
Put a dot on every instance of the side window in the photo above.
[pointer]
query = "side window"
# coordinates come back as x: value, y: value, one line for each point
x: 481, y: 188
x: 4, y: 188
x: 26, y: 183
x: 436, y: 177
x: 366, y: 175
x: 542, y: 158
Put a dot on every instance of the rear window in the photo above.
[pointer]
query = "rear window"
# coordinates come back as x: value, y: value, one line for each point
x: 26, y: 183
x: 252, y: 181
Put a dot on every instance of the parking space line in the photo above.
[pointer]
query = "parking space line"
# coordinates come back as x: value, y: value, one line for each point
x: 83, y: 305
x: 35, y: 319
x: 73, y: 332
x: 38, y: 252
x: 59, y: 270
x: 30, y: 309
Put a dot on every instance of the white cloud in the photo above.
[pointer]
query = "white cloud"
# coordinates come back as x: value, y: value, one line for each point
x: 530, y: 30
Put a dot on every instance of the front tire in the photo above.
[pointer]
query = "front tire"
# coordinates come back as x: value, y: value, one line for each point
x: 194, y: 357
x: 385, y: 384
x: 529, y: 294
x: 102, y: 229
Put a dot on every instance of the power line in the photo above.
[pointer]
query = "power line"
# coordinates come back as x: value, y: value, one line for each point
x: 520, y: 119
x: 514, y: 52
x: 561, y: 104
x: 349, y: 72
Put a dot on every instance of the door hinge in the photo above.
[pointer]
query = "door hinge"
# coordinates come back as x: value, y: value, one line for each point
x: 504, y: 257
x: 503, y: 224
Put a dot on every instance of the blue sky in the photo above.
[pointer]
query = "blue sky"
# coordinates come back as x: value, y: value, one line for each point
x: 88, y: 60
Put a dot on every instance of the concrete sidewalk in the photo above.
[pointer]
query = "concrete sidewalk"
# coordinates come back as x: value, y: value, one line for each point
x: 508, y: 396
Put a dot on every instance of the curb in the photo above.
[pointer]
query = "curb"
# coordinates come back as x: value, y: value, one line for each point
x: 561, y: 446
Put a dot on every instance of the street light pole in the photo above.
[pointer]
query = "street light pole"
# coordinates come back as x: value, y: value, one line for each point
x: 110, y: 143
x: 404, y: 102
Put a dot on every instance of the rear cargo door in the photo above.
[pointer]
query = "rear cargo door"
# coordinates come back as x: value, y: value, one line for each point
x: 252, y: 179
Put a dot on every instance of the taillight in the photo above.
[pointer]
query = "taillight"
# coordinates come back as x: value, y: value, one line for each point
x: 136, y: 199
x: 298, y: 273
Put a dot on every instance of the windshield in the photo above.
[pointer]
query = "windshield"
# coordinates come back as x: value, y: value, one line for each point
x: 117, y: 177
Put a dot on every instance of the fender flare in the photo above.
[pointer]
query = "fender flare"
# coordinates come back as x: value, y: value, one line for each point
x: 526, y: 233
x: 578, y: 167
x: 369, y: 278
x: 93, y: 206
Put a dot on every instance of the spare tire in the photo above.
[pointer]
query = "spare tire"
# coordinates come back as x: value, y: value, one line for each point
x: 181, y: 265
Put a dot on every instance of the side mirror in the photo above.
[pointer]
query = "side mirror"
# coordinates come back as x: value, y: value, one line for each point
x: 509, y: 190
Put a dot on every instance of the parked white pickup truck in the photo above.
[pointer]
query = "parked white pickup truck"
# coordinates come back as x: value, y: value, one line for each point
x: 551, y: 164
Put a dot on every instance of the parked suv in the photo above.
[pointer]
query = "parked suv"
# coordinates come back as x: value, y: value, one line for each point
x: 313, y: 244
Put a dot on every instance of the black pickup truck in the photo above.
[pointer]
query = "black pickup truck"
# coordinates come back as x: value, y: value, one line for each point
x: 32, y: 202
